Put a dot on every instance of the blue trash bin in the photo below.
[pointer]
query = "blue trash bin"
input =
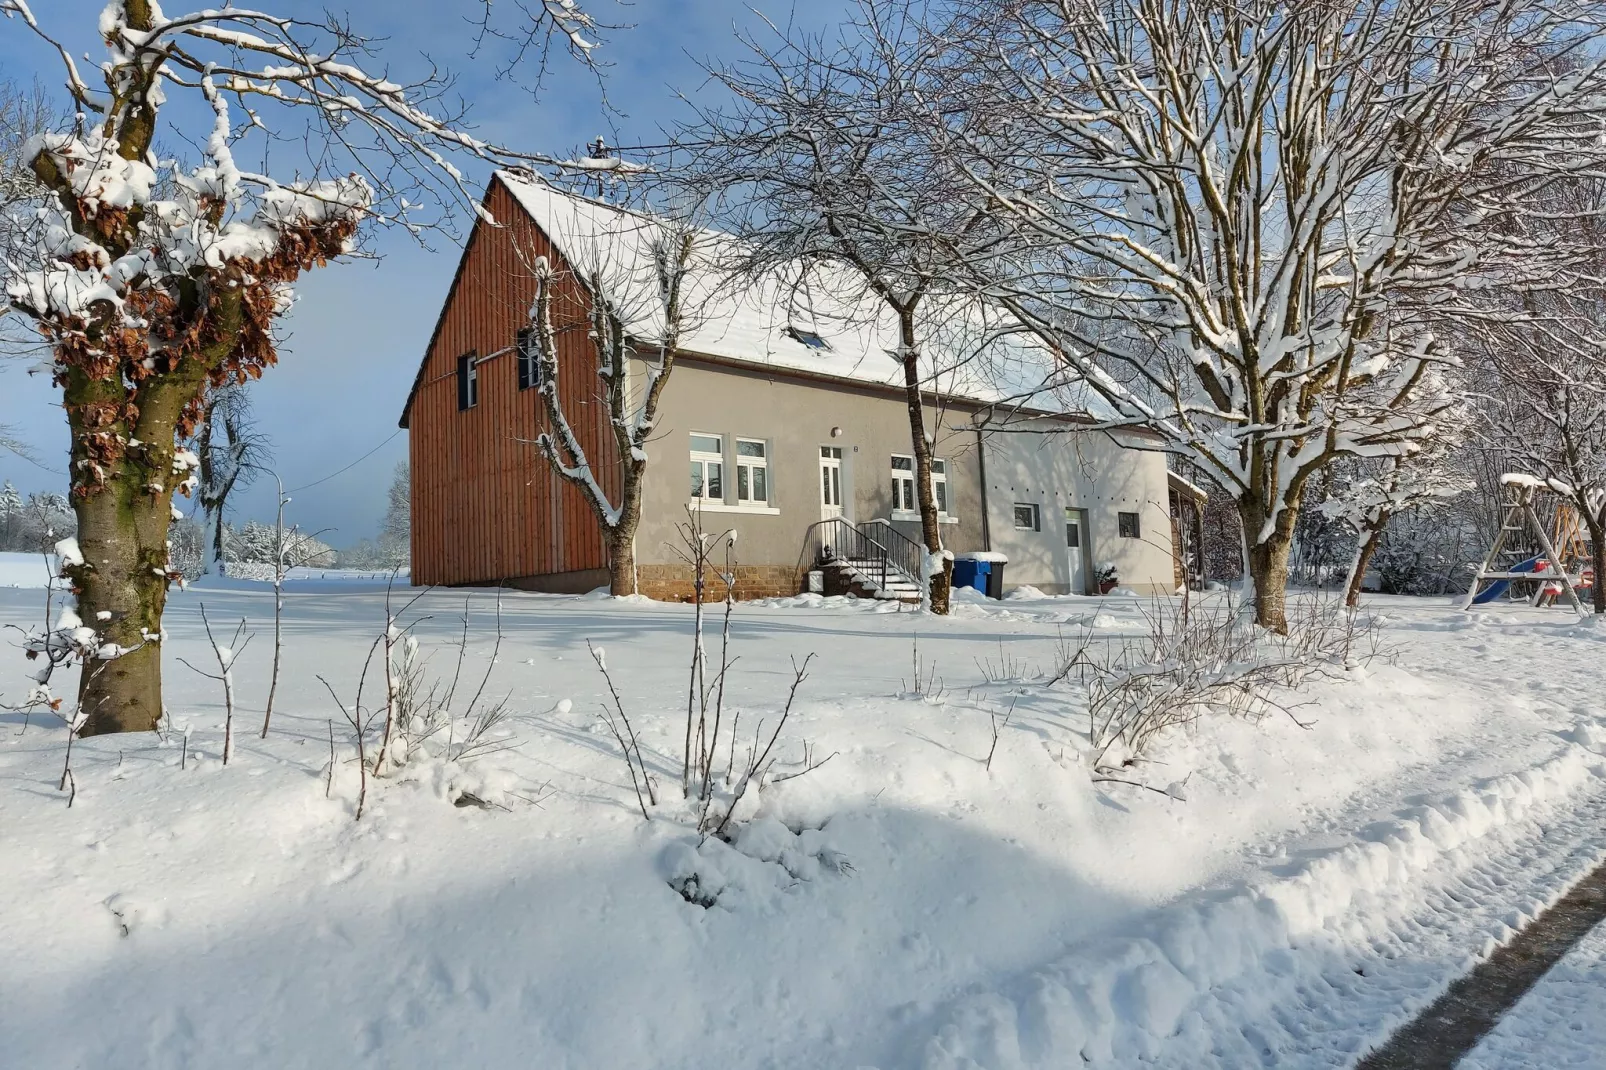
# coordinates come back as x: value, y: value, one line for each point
x: 972, y: 574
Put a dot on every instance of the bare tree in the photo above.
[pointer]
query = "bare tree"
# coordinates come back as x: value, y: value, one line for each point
x: 635, y: 310
x: 821, y: 163
x: 396, y: 533
x: 1261, y: 211
x: 232, y: 449
x: 24, y: 113
x: 151, y: 289
x: 1392, y: 487
x: 1546, y: 413
x: 528, y: 31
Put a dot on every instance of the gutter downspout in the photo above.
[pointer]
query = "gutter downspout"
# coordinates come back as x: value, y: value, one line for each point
x: 981, y: 458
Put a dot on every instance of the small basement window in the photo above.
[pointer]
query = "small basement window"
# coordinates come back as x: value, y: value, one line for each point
x: 468, y: 382
x: 1128, y: 524
x: 1027, y: 517
x: 808, y: 338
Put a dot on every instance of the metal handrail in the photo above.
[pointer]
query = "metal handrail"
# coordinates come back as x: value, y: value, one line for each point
x: 839, y: 538
x: 907, y: 554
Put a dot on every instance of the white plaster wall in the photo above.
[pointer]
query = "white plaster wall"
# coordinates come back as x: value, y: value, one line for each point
x: 1078, y: 470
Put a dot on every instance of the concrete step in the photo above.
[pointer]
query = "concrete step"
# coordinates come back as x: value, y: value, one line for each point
x: 898, y: 587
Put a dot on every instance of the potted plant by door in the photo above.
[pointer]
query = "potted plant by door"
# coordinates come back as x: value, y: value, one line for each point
x: 1109, y: 578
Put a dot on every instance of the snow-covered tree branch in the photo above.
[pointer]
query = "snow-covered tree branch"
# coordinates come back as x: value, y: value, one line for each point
x: 635, y: 314
x: 154, y: 281
x: 1246, y: 224
x: 830, y: 182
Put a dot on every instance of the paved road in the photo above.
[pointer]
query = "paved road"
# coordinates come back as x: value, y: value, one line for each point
x: 1538, y: 1001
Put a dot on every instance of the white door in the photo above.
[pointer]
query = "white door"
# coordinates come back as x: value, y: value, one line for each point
x: 830, y: 482
x: 1075, y: 536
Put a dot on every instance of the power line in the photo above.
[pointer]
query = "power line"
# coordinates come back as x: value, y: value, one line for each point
x: 348, y: 467
x: 304, y: 486
x: 36, y: 464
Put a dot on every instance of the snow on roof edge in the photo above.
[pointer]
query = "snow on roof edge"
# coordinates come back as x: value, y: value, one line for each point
x: 859, y: 339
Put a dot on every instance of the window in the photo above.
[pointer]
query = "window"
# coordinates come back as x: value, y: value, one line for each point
x: 529, y: 353
x: 1128, y: 523
x: 752, y: 472
x: 903, y: 484
x: 1073, y: 530
x: 1027, y: 518
x: 808, y: 338
x: 708, y: 467
x: 468, y: 382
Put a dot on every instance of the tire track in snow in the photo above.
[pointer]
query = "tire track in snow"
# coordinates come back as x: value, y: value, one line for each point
x: 1314, y: 966
x: 1455, y: 1022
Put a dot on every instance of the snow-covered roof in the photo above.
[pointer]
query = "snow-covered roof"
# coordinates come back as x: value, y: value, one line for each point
x: 1188, y: 485
x: 822, y: 324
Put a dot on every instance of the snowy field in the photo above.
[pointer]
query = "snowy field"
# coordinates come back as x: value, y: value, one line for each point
x: 1298, y: 893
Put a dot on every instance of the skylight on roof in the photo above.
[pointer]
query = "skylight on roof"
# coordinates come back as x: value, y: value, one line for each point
x: 808, y: 338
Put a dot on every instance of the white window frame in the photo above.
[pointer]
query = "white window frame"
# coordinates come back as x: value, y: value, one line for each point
x: 746, y: 466
x: 905, y: 478
x: 903, y: 486
x: 469, y: 388
x: 706, y: 458
x: 829, y: 486
x: 1037, y: 516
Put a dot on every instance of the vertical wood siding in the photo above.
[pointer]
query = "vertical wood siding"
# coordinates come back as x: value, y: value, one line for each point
x: 486, y: 506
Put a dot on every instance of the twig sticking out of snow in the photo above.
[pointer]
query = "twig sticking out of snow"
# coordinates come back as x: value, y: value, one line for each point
x: 758, y: 767
x: 225, y: 656
x: 360, y: 730
x: 997, y: 726
x: 631, y: 746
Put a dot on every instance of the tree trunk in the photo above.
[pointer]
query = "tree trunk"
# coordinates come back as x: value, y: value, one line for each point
x: 1596, y: 524
x: 1371, y: 538
x: 1268, y: 561
x: 940, y: 585
x: 122, y: 590
x: 123, y: 497
x: 621, y: 538
x: 622, y: 561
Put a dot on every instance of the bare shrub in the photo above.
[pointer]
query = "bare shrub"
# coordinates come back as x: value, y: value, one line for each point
x: 1196, y: 660
x: 714, y: 796
x: 925, y: 685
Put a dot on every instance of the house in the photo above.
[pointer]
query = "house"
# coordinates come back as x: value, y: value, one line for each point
x: 783, y: 421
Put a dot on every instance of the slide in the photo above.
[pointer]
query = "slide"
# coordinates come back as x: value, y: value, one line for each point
x: 1498, y: 587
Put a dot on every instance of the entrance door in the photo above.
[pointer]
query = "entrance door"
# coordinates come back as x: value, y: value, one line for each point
x: 1075, y: 532
x: 830, y: 482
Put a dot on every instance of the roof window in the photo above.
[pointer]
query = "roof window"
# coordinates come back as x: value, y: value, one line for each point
x: 808, y: 338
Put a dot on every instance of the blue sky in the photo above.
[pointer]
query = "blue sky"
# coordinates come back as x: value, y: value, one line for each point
x: 354, y: 340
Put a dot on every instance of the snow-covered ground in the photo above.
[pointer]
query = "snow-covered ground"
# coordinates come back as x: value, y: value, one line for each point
x: 25, y: 570
x: 1306, y: 891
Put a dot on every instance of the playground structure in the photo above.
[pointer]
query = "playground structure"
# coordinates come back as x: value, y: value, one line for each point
x: 1559, y: 568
